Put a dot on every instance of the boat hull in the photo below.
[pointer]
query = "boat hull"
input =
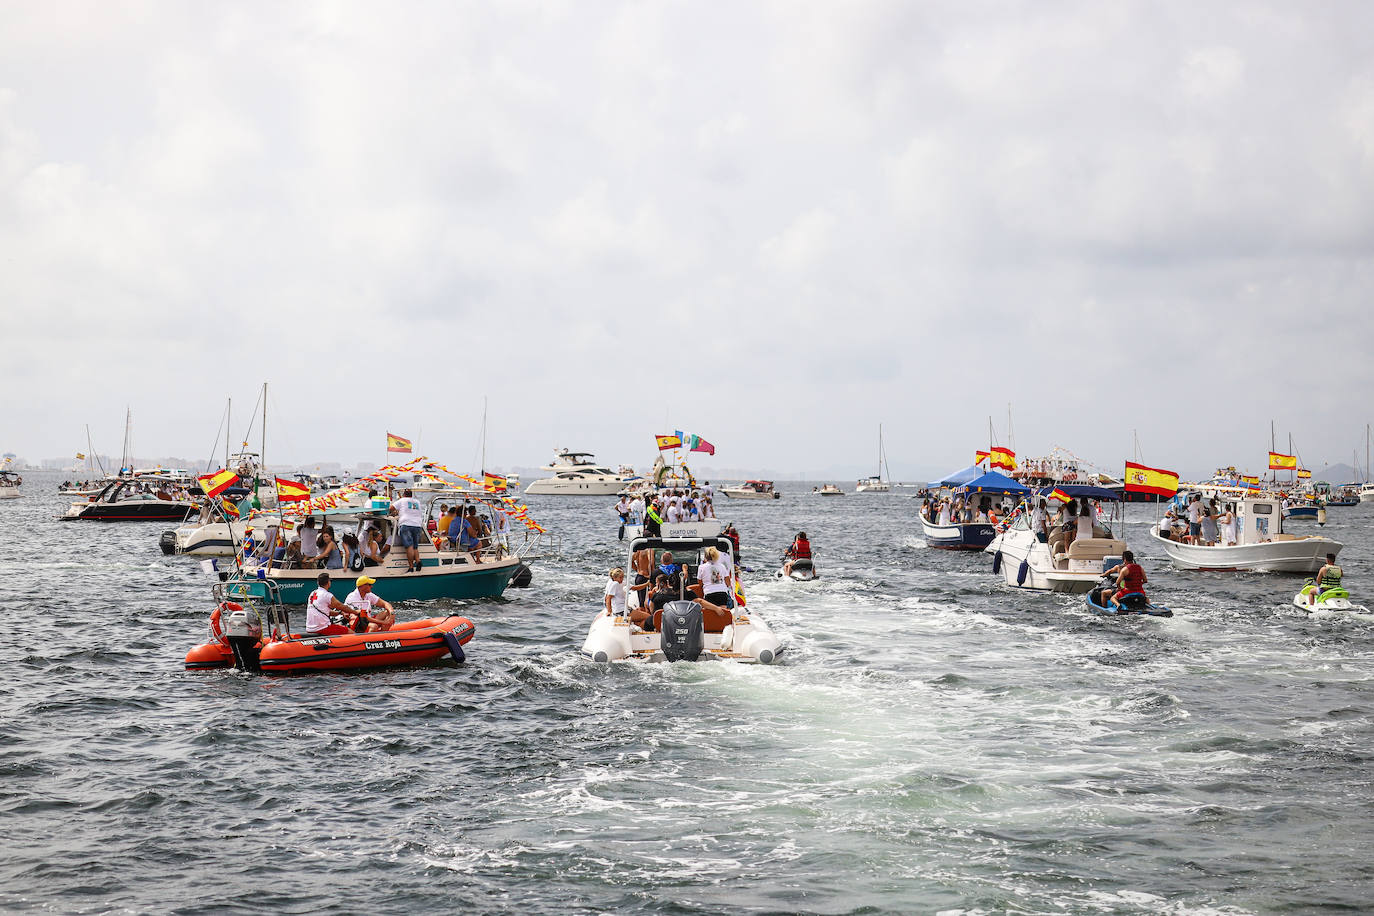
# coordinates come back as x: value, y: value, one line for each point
x: 1296, y: 555
x: 552, y: 486
x: 131, y: 511
x: 958, y: 536
x: 748, y: 638
x: 1026, y: 563
x: 749, y: 494
x: 415, y: 642
x: 482, y: 580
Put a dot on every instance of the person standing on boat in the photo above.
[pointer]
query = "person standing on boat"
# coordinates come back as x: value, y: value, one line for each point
x: 317, y: 608
x: 364, y: 603
x: 615, y: 593
x: 1228, y: 525
x: 653, y: 522
x: 1195, y: 518
x: 637, y: 510
x: 310, y: 540
x: 717, y: 579
x: 410, y: 527
x: 1328, y: 577
x: 732, y: 533
x: 1040, y: 521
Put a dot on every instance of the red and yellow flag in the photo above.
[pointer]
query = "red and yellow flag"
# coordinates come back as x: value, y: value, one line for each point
x: 1279, y: 462
x: 493, y: 483
x: 979, y: 456
x: 397, y: 444
x: 291, y: 491
x: 1060, y: 495
x: 667, y: 442
x: 231, y: 508
x: 1003, y: 458
x: 1140, y: 479
x: 1304, y: 473
x: 216, y: 483
x: 1250, y: 482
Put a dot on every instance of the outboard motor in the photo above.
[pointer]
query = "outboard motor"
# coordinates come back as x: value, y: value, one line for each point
x: 168, y: 542
x: 681, y: 631
x: 243, y: 628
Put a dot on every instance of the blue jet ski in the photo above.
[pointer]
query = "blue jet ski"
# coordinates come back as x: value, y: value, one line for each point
x: 1135, y: 603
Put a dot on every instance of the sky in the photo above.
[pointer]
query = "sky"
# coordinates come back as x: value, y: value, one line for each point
x: 774, y: 224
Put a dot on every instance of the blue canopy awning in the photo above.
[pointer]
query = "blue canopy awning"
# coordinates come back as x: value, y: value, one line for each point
x: 959, y: 478
x: 993, y: 482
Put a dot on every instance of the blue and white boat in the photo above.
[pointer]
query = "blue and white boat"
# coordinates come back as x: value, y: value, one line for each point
x: 972, y: 483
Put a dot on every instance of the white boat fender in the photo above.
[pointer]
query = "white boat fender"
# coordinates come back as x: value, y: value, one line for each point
x: 681, y: 631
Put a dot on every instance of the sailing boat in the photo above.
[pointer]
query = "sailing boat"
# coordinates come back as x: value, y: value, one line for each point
x: 1366, y: 491
x: 877, y: 483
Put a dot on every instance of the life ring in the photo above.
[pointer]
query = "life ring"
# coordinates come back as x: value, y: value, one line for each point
x: 217, y: 631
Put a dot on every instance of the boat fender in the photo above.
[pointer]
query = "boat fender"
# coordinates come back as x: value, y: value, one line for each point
x: 681, y: 631
x: 523, y: 576
x: 1022, y: 571
x: 455, y: 648
x: 997, y: 562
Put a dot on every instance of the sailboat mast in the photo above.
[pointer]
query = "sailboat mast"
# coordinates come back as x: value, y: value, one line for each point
x: 483, y: 468
x: 128, y: 420
x: 262, y: 455
x: 228, y: 427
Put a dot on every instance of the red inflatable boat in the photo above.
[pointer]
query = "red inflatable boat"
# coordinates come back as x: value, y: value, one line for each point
x: 414, y: 642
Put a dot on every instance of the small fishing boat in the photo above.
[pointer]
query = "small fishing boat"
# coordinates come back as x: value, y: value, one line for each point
x: 827, y: 489
x: 970, y: 527
x: 685, y: 631
x: 1262, y: 545
x: 266, y: 644
x: 752, y: 489
x: 1125, y: 607
x: 10, y: 483
x: 1333, y: 599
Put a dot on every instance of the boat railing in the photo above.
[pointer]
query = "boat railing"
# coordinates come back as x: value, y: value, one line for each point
x: 540, y: 544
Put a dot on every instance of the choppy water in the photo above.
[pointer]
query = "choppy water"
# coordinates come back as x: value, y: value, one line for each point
x: 933, y: 742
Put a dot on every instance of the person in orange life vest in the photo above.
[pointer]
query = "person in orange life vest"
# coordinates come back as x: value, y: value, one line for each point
x: 800, y: 550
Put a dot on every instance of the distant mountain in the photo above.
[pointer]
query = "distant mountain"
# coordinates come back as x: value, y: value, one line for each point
x: 1338, y: 474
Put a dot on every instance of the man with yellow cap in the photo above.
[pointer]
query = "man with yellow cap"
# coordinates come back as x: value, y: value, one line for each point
x: 365, y: 603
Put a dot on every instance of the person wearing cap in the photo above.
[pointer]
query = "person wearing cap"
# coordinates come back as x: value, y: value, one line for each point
x: 364, y: 604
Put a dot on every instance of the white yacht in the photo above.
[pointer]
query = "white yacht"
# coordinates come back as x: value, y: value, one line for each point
x: 9, y: 485
x: 1367, y: 493
x: 877, y: 483
x: 577, y: 474
x: 1026, y: 562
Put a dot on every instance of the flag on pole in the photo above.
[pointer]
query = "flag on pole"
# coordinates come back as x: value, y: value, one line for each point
x: 1140, y: 479
x: 291, y: 491
x: 1060, y: 495
x: 667, y: 442
x: 1279, y: 462
x: 1250, y: 482
x: 701, y: 445
x: 979, y: 456
x: 231, y: 508
x: 1003, y: 458
x: 216, y: 483
x: 493, y: 483
x: 397, y: 444
x: 1304, y: 473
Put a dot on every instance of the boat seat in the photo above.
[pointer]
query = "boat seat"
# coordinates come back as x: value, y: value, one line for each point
x: 713, y: 621
x: 1095, y: 548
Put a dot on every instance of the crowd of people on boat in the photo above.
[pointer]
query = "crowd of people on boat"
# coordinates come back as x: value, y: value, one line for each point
x: 955, y: 510
x: 363, y: 611
x: 1205, y: 524
x: 667, y: 507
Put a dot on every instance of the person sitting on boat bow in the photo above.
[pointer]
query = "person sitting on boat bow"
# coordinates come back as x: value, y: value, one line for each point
x: 615, y: 593
x: 1328, y: 577
x: 364, y: 603
x: 800, y: 549
x: 1130, y: 584
x: 318, y: 607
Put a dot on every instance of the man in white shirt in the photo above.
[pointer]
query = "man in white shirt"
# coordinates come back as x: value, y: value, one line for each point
x: 674, y: 513
x: 410, y: 527
x: 1195, y: 518
x: 637, y: 510
x: 364, y: 602
x: 317, y: 608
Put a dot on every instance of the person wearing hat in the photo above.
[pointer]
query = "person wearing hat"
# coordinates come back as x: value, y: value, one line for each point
x: 364, y: 604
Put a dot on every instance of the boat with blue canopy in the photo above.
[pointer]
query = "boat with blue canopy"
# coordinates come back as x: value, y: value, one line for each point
x: 962, y: 516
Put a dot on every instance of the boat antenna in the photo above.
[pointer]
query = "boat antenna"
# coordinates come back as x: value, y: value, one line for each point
x: 223, y: 425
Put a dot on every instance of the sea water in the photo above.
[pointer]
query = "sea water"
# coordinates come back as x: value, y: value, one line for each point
x: 931, y: 741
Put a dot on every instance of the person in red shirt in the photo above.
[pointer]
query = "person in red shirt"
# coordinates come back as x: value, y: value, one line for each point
x: 1130, y: 579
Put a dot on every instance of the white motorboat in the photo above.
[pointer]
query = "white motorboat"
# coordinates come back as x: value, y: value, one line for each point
x: 686, y: 631
x: 752, y: 489
x: 1333, y: 599
x: 1025, y: 562
x: 576, y: 474
x: 9, y: 485
x: 1367, y: 493
x: 1261, y: 545
x: 827, y: 489
x: 212, y: 535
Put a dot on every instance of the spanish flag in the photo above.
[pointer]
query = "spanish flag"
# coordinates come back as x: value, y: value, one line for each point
x: 1140, y: 479
x: 291, y: 491
x: 80, y: 457
x: 1003, y: 458
x: 231, y: 508
x: 1304, y: 473
x: 397, y: 444
x: 216, y: 483
x: 1250, y: 482
x: 667, y: 442
x: 1060, y: 495
x: 493, y: 483
x: 979, y: 456
x: 1279, y: 462
x: 739, y: 593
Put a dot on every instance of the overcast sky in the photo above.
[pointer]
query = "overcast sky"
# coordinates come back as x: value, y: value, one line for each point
x: 776, y: 224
